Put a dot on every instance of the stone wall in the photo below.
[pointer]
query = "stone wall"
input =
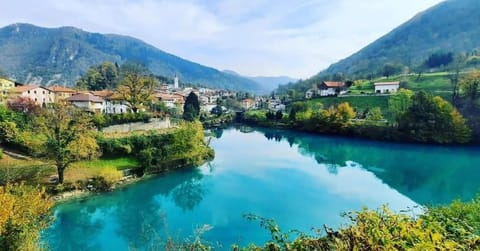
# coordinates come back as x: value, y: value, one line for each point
x: 154, y: 124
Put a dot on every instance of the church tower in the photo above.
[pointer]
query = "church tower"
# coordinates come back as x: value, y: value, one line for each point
x: 175, y: 82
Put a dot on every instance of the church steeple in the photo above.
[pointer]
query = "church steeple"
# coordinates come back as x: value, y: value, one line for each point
x: 175, y: 81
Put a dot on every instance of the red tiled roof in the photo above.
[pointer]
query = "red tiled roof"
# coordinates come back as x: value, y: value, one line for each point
x: 167, y: 96
x: 85, y: 98
x: 24, y: 88
x: 102, y: 93
x: 56, y: 88
x: 333, y: 84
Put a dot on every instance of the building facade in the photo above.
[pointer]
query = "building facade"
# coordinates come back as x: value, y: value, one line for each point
x: 61, y: 93
x: 387, y: 87
x: 40, y: 95
x: 87, y: 102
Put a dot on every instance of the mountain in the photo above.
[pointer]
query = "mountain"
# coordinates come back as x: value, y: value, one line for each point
x: 267, y: 84
x: 451, y: 26
x: 61, y: 55
x: 271, y: 83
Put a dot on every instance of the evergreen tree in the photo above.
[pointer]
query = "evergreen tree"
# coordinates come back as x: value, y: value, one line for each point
x: 191, y: 108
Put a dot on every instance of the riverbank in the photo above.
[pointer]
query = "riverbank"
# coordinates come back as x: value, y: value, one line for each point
x: 375, y: 132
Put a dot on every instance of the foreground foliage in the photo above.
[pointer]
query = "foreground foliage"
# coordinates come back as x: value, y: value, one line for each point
x: 452, y: 227
x: 24, y: 212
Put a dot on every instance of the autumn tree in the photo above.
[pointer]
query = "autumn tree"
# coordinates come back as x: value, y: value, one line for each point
x: 136, y: 86
x: 70, y: 136
x: 24, y: 105
x: 24, y: 213
x: 191, y: 108
x: 469, y: 85
x: 432, y: 119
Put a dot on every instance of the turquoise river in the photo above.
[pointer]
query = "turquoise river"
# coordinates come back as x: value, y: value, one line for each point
x: 301, y: 180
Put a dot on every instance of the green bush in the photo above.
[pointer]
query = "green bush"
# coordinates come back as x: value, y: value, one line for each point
x: 1, y: 153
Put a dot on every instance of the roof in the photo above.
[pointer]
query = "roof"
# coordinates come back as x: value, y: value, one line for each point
x: 85, y: 98
x: 102, y: 93
x: 115, y: 96
x: 56, y: 88
x: 24, y: 88
x: 249, y: 100
x: 166, y: 96
x: 387, y: 83
x: 333, y: 84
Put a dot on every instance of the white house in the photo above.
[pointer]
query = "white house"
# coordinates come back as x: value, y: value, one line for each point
x: 387, y: 87
x: 88, y: 102
x: 41, y: 95
x: 328, y: 88
x: 115, y: 104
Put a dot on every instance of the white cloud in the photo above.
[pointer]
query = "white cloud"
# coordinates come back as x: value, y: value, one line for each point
x: 264, y: 37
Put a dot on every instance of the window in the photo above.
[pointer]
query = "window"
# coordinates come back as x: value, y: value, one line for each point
x: 35, y: 99
x: 34, y: 92
x: 43, y: 92
x: 28, y: 92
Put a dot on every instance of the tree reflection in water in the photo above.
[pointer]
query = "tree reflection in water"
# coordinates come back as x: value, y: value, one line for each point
x: 425, y: 173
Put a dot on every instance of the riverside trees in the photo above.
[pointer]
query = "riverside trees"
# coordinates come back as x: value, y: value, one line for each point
x: 70, y: 136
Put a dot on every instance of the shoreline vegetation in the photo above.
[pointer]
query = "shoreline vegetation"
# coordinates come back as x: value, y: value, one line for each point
x: 410, y: 118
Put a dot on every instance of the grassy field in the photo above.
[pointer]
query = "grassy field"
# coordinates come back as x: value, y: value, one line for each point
x: 360, y: 103
x: 38, y: 171
x: 437, y: 83
x: 30, y: 171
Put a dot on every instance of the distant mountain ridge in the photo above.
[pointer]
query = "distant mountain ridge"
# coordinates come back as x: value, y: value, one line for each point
x: 267, y: 83
x: 49, y: 56
x: 450, y: 26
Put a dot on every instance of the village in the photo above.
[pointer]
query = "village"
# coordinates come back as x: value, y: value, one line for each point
x: 172, y: 96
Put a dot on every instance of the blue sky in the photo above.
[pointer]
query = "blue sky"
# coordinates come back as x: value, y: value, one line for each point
x: 297, y: 38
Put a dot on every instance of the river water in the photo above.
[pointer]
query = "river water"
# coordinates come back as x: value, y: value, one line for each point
x: 301, y: 180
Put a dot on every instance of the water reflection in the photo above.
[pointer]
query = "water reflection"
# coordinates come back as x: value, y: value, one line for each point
x: 137, y: 211
x: 426, y: 174
x: 73, y: 227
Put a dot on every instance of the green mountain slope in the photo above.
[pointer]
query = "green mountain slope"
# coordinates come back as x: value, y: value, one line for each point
x: 451, y: 26
x: 61, y: 55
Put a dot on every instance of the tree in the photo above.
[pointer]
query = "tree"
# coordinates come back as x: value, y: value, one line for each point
x: 100, y: 77
x: 24, y: 213
x: 136, y: 86
x: 399, y: 102
x: 374, y: 114
x: 8, y: 131
x: 344, y: 113
x: 70, y: 136
x: 458, y: 64
x: 432, y: 119
x: 469, y: 85
x: 439, y: 59
x: 390, y: 69
x: 24, y: 105
x: 279, y: 115
x: 191, y: 108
